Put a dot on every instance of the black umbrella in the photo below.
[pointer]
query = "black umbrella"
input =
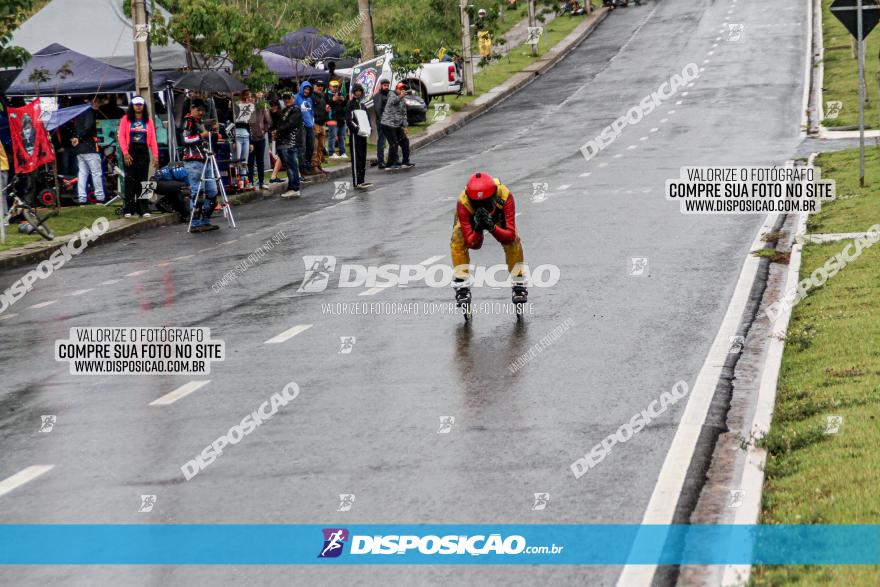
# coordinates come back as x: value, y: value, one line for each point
x: 218, y: 82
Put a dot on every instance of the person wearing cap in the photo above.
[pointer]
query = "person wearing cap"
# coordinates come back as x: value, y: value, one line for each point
x: 379, y: 102
x: 357, y: 143
x: 486, y: 205
x: 287, y: 137
x: 336, y: 120
x: 394, y: 125
x: 321, y: 112
x: 137, y: 140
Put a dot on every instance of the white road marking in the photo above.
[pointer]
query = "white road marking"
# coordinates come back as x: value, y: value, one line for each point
x: 603, y: 165
x: 110, y: 282
x: 645, y: 138
x: 235, y: 240
x: 670, y: 112
x: 179, y: 393
x: 374, y: 290
x: 717, y: 39
x: 587, y: 174
x: 517, y: 214
x: 679, y: 102
x: 431, y: 260
x: 563, y: 187
x: 22, y: 477
x: 632, y: 147
x: 655, y: 129
x: 80, y: 292
x: 8, y: 316
x: 182, y: 258
x: 136, y: 273
x: 288, y: 334
x: 618, y: 156
x: 713, y: 46
x: 664, y: 120
x: 164, y: 263
x: 43, y: 304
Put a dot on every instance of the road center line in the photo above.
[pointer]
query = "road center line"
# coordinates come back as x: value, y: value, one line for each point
x: 110, y: 282
x: 432, y: 260
x: 288, y: 334
x: 136, y: 273
x: 179, y: 393
x: 43, y: 304
x: 22, y: 477
x: 80, y: 292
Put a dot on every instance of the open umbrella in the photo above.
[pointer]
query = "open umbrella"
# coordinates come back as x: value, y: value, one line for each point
x: 307, y: 43
x: 215, y: 81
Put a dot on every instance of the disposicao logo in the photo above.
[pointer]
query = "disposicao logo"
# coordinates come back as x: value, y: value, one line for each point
x: 334, y: 540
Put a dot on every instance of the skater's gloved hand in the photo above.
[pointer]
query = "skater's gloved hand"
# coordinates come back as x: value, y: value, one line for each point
x: 480, y: 218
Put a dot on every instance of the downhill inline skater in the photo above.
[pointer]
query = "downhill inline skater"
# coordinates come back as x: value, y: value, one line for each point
x: 486, y: 205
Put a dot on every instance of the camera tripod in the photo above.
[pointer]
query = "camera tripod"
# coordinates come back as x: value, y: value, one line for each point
x: 214, y: 172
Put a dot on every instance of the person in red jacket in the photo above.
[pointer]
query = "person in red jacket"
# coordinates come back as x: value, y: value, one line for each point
x: 137, y: 139
x: 486, y: 205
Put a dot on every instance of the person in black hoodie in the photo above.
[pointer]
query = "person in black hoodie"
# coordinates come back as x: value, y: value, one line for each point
x: 287, y: 137
x: 357, y: 143
x: 85, y: 146
x: 379, y: 101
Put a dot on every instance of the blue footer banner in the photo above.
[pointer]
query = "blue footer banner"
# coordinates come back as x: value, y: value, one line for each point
x: 203, y: 544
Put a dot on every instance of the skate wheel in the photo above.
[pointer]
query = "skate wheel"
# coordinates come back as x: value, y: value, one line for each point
x: 47, y: 197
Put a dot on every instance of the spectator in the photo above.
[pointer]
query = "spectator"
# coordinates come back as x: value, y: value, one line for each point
x: 304, y: 103
x: 357, y: 140
x: 85, y: 145
x: 331, y: 70
x: 259, y: 129
x: 336, y: 122
x: 244, y: 113
x: 4, y: 177
x: 288, y: 134
x: 275, y: 111
x: 379, y: 101
x: 394, y: 125
x: 321, y: 112
x: 137, y: 139
x: 194, y: 136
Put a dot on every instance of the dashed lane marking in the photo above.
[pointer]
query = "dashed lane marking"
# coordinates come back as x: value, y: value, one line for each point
x: 22, y: 477
x: 288, y: 334
x: 179, y: 393
x: 43, y: 304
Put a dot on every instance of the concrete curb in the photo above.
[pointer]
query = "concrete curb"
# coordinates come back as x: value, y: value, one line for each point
x: 752, y: 482
x: 119, y: 229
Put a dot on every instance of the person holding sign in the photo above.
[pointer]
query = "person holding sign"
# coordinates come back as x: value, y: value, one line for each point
x: 137, y: 139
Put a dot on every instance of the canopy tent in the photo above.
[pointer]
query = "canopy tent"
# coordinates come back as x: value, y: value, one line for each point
x: 97, y: 28
x: 291, y: 68
x: 307, y: 43
x: 71, y: 73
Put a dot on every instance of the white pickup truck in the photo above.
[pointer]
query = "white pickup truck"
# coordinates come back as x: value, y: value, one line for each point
x: 438, y: 78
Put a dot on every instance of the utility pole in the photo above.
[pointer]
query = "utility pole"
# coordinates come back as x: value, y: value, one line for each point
x: 143, y: 75
x: 861, y: 46
x: 532, y: 24
x: 468, y: 64
x: 367, y: 42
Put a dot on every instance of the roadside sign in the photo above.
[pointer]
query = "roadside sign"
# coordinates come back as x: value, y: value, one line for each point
x: 846, y: 12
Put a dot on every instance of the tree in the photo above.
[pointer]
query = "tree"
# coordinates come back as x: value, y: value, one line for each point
x: 12, y: 14
x: 221, y: 32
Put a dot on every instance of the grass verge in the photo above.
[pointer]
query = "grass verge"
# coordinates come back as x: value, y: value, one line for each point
x: 840, y: 82
x: 830, y: 368
x: 70, y: 220
x: 855, y: 208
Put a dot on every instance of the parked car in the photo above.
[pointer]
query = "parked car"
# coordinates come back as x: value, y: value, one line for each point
x: 438, y: 78
x: 416, y: 109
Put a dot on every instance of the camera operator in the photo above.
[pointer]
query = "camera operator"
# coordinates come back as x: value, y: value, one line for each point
x: 197, y: 140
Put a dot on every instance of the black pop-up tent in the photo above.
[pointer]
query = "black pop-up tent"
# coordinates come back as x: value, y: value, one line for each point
x: 72, y: 74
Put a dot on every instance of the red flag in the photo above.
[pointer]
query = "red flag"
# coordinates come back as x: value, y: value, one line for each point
x: 31, y: 146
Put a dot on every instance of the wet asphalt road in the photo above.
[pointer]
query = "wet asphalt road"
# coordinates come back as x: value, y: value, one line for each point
x: 366, y: 423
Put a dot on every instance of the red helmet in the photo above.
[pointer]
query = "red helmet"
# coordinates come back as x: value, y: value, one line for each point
x: 481, y: 186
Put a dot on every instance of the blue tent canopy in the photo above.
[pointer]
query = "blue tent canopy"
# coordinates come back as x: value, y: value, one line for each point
x: 70, y: 73
x: 284, y: 67
x: 308, y: 43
